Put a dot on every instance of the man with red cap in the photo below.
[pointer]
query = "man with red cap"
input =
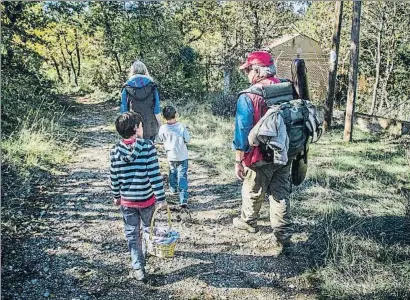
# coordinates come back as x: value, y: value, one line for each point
x: 259, y: 178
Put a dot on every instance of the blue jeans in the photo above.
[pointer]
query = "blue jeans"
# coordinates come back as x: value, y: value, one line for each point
x: 133, y: 219
x: 178, y: 179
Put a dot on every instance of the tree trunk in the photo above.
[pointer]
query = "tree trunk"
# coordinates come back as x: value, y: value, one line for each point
x: 57, y: 69
x: 110, y: 38
x: 141, y: 43
x: 117, y: 59
x: 207, y: 74
x: 227, y: 81
x: 70, y: 53
x: 385, y: 93
x: 353, y: 69
x: 255, y: 26
x: 64, y: 59
x: 377, y: 76
x: 77, y: 51
x: 391, y: 55
x: 333, y: 65
x: 378, y: 63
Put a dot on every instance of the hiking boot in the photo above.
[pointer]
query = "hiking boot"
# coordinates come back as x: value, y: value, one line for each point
x: 241, y: 224
x: 137, y: 274
x: 283, y: 238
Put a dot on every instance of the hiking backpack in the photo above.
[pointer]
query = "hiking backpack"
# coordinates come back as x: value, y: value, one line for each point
x: 142, y: 101
x: 286, y: 129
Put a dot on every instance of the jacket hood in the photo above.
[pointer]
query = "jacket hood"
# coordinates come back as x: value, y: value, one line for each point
x: 129, y: 152
x: 139, y: 80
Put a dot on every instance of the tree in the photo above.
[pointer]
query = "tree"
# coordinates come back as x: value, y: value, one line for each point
x: 377, y: 21
x: 353, y: 70
x: 333, y: 64
x: 190, y: 47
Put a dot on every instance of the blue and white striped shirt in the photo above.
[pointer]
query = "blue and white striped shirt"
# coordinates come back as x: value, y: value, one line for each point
x: 135, y: 173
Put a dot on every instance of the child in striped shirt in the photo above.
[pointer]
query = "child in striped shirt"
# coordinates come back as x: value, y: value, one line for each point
x: 136, y: 183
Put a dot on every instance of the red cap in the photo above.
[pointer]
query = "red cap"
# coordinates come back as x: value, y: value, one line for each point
x: 260, y: 58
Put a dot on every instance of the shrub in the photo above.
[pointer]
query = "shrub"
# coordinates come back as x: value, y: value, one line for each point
x: 224, y: 106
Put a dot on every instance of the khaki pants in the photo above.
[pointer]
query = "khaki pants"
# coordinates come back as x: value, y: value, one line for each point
x: 274, y: 181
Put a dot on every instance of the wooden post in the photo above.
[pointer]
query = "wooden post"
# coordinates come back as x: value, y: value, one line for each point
x: 227, y: 80
x: 334, y: 57
x: 207, y: 74
x: 353, y: 68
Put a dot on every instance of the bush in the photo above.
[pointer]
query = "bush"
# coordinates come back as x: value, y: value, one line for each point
x: 26, y: 97
x: 224, y: 106
x: 30, y: 122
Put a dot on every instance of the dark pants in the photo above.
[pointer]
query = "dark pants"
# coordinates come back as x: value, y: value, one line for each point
x: 133, y: 219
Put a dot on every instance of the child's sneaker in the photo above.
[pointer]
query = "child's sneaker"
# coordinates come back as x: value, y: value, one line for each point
x: 137, y: 274
x: 172, y: 197
x: 183, y: 205
x: 173, y: 192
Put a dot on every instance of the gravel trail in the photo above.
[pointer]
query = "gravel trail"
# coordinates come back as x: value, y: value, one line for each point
x: 80, y: 251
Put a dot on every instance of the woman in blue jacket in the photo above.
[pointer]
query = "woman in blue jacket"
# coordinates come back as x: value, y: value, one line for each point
x: 140, y: 94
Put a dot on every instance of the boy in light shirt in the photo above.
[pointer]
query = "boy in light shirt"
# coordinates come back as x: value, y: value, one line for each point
x: 175, y: 136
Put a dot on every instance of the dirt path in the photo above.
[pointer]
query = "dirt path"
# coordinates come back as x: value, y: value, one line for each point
x: 82, y: 253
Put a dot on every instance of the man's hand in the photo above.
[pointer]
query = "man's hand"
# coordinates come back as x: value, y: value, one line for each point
x: 117, y: 202
x: 161, y: 205
x: 239, y: 171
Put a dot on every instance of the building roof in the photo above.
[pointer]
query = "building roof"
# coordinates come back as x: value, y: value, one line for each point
x: 283, y: 39
x: 287, y: 37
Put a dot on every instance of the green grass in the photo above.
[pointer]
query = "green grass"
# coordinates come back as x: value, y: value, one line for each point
x: 31, y: 135
x: 350, y: 207
x: 359, y: 241
x: 212, y: 140
x: 37, y: 143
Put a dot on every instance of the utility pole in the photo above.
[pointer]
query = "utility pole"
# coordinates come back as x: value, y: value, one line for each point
x: 334, y: 57
x: 353, y: 68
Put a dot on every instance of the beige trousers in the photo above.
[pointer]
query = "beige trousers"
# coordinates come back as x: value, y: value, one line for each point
x: 274, y: 181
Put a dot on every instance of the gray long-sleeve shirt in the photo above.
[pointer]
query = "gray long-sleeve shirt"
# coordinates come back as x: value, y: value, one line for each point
x: 175, y: 137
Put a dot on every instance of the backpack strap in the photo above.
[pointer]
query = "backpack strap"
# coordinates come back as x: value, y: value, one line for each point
x: 252, y: 90
x: 305, y: 113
